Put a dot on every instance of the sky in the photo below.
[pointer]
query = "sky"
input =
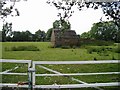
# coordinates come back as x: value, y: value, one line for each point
x: 37, y: 14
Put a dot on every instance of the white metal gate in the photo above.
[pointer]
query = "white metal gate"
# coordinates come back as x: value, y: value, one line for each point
x: 32, y: 74
x: 11, y: 73
x: 84, y: 84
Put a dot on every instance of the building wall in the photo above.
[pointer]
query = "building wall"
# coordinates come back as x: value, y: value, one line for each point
x: 68, y: 38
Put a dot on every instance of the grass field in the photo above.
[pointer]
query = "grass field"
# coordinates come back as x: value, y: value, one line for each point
x: 46, y: 53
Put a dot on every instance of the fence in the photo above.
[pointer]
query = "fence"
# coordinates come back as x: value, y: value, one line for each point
x: 11, y: 73
x: 32, y: 74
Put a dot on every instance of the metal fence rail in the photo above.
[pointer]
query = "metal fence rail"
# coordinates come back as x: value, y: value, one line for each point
x: 64, y: 86
x: 79, y: 85
x: 12, y: 73
x: 76, y: 62
x: 32, y: 74
x: 74, y: 74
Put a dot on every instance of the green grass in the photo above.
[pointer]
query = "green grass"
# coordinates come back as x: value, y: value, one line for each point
x: 14, y: 78
x: 46, y: 53
x: 90, y: 68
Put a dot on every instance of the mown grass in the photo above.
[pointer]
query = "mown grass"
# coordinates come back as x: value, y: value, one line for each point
x: 82, y: 68
x: 46, y: 53
x: 14, y: 78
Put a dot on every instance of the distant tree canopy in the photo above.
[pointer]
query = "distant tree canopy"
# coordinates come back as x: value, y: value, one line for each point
x: 40, y: 35
x: 58, y: 24
x: 9, y: 35
x: 23, y: 35
x: 48, y: 34
x: 62, y: 25
x: 107, y: 31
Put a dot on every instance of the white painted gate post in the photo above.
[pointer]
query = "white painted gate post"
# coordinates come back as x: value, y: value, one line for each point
x: 33, y: 75
x: 29, y: 76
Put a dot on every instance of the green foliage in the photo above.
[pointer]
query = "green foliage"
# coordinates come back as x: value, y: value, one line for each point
x: 23, y: 48
x: 104, y: 31
x: 107, y: 31
x: 48, y: 34
x: 62, y: 25
x: 65, y: 7
x: 40, y: 35
x: 102, y: 51
x: 88, y: 42
x: 6, y: 31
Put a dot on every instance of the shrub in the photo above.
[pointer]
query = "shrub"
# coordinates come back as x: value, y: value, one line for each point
x: 99, y: 50
x: 65, y: 47
x: 97, y: 43
x: 24, y: 48
x: 93, y: 49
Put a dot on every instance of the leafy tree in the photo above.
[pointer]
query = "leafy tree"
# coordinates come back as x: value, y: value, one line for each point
x: 7, y: 8
x: 6, y: 30
x: 85, y: 35
x: 40, y: 35
x: 16, y: 36
x: 56, y: 24
x: 110, y: 9
x: 48, y: 34
x: 27, y: 35
x: 22, y: 36
x: 104, y: 31
x: 62, y: 25
x: 107, y: 31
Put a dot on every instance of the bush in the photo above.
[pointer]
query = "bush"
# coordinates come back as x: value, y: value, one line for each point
x: 99, y: 50
x: 65, y: 47
x: 24, y: 48
x: 97, y: 43
x: 93, y: 49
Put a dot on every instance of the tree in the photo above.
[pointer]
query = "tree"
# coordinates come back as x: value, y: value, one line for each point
x: 104, y: 31
x: 48, y: 34
x: 6, y: 30
x: 22, y: 36
x: 62, y: 25
x: 16, y: 36
x: 110, y: 9
x: 40, y: 35
x: 107, y: 31
x: 85, y: 35
x: 7, y: 8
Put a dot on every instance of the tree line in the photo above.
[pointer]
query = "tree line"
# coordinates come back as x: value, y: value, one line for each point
x: 19, y: 36
x: 100, y: 31
x: 107, y: 31
x: 40, y: 35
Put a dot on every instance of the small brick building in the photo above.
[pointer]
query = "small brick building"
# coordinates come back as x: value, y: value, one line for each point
x: 66, y: 38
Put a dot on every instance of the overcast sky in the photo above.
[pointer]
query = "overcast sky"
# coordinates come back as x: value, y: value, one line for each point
x: 37, y: 14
